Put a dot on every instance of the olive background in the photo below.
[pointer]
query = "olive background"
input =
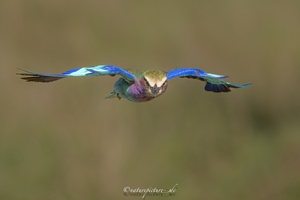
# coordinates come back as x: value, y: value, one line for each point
x: 64, y: 141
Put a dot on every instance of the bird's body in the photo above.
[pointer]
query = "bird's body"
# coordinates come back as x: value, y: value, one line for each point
x: 139, y: 86
x: 140, y: 89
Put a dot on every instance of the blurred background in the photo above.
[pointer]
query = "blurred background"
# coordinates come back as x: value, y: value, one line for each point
x: 63, y: 140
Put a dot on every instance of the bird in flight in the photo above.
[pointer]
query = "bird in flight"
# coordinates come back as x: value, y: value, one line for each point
x: 139, y: 86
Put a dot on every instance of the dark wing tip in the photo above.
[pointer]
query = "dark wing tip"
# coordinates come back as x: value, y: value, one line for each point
x: 225, y: 87
x: 38, y: 78
x: 216, y: 87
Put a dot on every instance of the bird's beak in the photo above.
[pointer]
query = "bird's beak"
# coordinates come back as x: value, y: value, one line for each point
x: 155, y: 90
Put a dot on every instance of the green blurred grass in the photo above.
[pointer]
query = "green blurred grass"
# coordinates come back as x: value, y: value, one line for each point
x: 64, y: 141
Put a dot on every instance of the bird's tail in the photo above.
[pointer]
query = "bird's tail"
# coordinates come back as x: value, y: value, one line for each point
x: 113, y: 94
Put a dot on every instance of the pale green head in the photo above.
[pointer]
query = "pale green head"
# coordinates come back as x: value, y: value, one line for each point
x: 155, y: 82
x: 155, y: 77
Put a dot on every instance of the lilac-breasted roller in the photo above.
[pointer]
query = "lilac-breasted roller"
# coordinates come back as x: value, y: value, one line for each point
x: 139, y: 86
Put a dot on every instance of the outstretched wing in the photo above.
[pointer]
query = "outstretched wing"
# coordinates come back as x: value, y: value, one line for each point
x: 213, y: 81
x: 99, y: 70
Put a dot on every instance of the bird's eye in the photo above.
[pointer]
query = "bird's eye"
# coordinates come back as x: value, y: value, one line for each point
x: 146, y: 81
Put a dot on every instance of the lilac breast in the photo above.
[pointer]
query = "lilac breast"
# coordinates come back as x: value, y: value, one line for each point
x: 138, y: 93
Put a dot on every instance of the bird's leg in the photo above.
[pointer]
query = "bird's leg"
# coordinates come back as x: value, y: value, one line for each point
x: 118, y: 96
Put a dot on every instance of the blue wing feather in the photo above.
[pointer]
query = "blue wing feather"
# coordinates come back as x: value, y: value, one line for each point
x: 100, y: 70
x: 190, y: 73
x: 185, y: 72
x: 213, y: 82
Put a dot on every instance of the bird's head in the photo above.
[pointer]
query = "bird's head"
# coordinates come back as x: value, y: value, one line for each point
x: 155, y: 82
